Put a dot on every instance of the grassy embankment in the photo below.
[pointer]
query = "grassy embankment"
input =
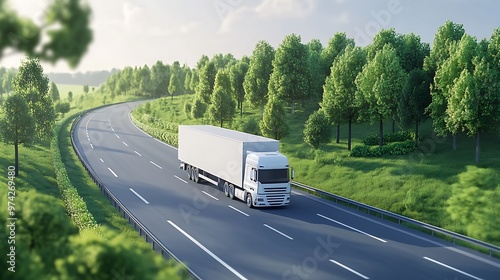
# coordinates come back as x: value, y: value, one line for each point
x: 416, y: 185
x: 38, y: 172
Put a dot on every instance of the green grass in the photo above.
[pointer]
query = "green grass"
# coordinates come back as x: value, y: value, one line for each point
x: 65, y: 88
x: 416, y: 185
x: 100, y: 207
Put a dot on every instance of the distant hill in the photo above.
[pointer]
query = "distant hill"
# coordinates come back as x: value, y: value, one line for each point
x: 91, y: 78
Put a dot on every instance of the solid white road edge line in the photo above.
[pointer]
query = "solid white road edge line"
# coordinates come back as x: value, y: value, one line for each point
x: 112, y: 172
x: 207, y: 251
x: 210, y: 195
x: 156, y: 165
x: 237, y: 210
x: 180, y: 179
x: 139, y: 196
x: 87, y: 124
x: 350, y: 269
x: 452, y: 268
x: 138, y: 153
x: 275, y: 230
x: 355, y: 229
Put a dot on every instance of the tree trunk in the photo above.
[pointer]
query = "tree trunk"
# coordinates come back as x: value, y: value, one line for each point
x: 16, y: 155
x: 241, y: 110
x: 416, y: 134
x: 349, y: 136
x: 478, y: 147
x: 338, y: 133
x: 454, y: 142
x: 381, y: 133
x: 293, y: 106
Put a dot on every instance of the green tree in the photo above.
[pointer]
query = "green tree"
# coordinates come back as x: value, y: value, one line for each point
x: 258, y: 75
x: 194, y: 81
x: 62, y: 107
x: 65, y: 29
x: 96, y: 257
x: 198, y: 108
x: 475, y: 203
x: 415, y: 98
x: 145, y: 85
x: 379, y: 88
x: 31, y: 83
x: 17, y: 125
x: 187, y: 80
x: 222, y: 105
x: 86, y: 89
x: 7, y: 79
x: 70, y: 96
x: 339, y: 98
x: 317, y: 129
x: 413, y: 52
x: 290, y: 77
x: 206, y: 82
x: 174, y: 86
x: 273, y: 123
x: 336, y: 46
x: 444, y: 40
x: 314, y: 50
x: 237, y: 74
x: 54, y: 92
x: 382, y: 38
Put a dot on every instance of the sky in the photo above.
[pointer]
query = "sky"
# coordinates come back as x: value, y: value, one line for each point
x: 135, y: 33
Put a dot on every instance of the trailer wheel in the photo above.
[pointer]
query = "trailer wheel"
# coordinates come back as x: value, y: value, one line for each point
x: 196, y: 175
x: 226, y: 189
x: 188, y: 169
x: 231, y: 191
x: 249, y: 200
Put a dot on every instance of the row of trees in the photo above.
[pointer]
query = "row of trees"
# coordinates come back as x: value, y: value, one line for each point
x: 396, y: 77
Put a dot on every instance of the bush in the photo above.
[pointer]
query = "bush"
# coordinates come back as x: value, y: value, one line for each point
x: 187, y: 109
x: 396, y: 148
x: 399, y: 136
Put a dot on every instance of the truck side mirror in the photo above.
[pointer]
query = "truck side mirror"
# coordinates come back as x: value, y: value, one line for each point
x: 293, y: 174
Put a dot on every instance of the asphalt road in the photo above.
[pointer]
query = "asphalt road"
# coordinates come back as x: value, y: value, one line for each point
x: 219, y: 238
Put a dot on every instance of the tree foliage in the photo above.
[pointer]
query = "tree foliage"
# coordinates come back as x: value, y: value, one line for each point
x: 31, y: 83
x: 62, y: 107
x: 274, y: 123
x: 54, y: 92
x: 315, y: 65
x: 339, y: 98
x: 475, y: 203
x: 258, y: 74
x: 336, y: 46
x: 317, y: 129
x: 222, y: 105
x: 206, y: 82
x: 65, y: 31
x: 290, y: 77
x: 379, y: 87
x: 237, y: 75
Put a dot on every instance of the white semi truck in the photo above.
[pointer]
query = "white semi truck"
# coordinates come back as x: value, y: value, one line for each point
x: 245, y: 166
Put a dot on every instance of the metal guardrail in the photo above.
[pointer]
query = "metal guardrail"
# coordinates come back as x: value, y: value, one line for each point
x: 399, y: 218
x: 143, y: 231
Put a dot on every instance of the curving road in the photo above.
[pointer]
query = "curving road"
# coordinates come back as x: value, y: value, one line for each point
x: 219, y: 238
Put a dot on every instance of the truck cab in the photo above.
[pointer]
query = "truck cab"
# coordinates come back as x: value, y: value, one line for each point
x: 267, y: 179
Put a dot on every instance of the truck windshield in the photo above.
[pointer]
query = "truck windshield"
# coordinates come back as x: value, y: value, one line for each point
x: 273, y: 176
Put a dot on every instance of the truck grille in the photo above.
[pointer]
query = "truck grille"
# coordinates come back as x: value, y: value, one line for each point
x: 275, y: 195
x: 275, y: 190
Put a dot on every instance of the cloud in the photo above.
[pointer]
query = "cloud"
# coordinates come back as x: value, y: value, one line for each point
x: 267, y: 10
x: 285, y: 8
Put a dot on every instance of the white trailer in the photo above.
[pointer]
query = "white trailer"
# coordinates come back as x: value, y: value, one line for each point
x: 245, y: 166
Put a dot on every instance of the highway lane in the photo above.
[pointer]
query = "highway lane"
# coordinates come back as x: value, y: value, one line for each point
x: 223, y: 239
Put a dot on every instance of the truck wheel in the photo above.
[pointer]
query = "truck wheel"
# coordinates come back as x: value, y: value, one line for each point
x: 249, y: 200
x: 188, y: 169
x: 231, y: 191
x: 226, y: 189
x: 196, y: 175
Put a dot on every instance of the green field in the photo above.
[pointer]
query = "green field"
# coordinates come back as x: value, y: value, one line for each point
x: 64, y: 89
x: 416, y: 185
